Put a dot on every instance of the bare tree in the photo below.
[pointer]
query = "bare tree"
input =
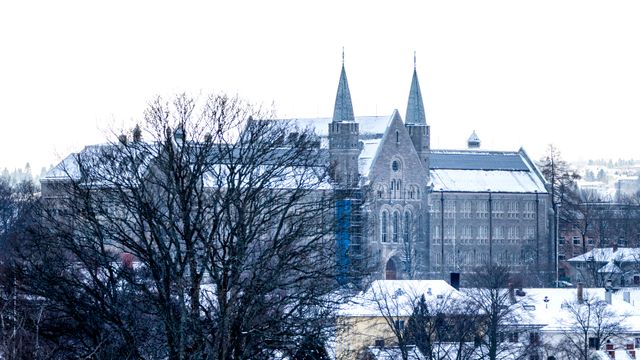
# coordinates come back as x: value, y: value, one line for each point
x: 560, y: 177
x: 16, y: 321
x: 591, y: 322
x: 395, y: 309
x: 446, y: 328
x: 437, y: 322
x: 491, y: 293
x: 203, y: 234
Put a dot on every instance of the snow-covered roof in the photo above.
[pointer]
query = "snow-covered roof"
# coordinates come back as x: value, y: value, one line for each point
x: 553, y: 314
x: 610, y: 268
x: 400, y: 294
x: 69, y: 168
x: 286, y: 177
x: 609, y: 255
x: 481, y: 171
x: 483, y: 180
x: 368, y: 153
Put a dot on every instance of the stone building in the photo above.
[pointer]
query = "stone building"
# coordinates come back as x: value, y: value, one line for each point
x: 416, y: 212
x: 407, y: 211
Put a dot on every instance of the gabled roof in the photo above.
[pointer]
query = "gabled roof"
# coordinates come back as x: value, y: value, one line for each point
x: 402, y: 293
x: 415, y: 105
x: 554, y: 315
x: 610, y: 268
x: 343, y: 109
x: 94, y: 156
x: 603, y: 255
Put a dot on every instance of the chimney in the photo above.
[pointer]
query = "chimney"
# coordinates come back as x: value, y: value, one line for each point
x: 607, y: 296
x: 580, y: 295
x: 512, y: 295
x: 455, y: 280
x: 615, y: 246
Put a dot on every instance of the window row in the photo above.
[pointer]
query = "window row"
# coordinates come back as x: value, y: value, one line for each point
x: 498, y: 208
x: 411, y: 192
x: 473, y: 257
x: 482, y: 232
x: 394, y: 227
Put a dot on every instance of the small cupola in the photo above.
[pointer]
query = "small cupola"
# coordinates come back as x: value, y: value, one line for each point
x: 474, y: 141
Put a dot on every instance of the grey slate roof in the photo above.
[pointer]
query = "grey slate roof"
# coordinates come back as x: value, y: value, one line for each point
x: 477, y: 160
x: 415, y: 106
x: 343, y: 109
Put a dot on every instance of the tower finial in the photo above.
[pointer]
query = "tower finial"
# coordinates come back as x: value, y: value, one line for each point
x: 343, y: 56
x: 414, y: 59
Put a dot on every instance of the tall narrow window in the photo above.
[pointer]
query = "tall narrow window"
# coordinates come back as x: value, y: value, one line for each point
x: 406, y: 228
x: 395, y: 226
x: 384, y: 225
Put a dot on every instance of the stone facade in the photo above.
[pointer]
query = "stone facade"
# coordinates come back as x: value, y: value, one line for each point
x: 426, y: 213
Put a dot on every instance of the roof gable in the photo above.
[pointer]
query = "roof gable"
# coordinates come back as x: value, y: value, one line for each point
x: 393, y: 141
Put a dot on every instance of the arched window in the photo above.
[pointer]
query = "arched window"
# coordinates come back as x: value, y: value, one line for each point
x: 395, y: 226
x: 384, y: 226
x: 393, y: 184
x: 406, y: 227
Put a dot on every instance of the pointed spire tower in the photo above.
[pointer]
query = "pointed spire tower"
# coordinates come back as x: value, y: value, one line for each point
x: 343, y: 136
x: 343, y: 108
x: 416, y: 121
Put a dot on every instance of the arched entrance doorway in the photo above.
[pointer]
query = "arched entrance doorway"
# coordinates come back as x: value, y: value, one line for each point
x: 390, y: 270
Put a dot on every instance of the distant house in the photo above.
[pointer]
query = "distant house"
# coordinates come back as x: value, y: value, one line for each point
x: 617, y: 265
x: 566, y: 315
x: 549, y: 322
x: 367, y: 323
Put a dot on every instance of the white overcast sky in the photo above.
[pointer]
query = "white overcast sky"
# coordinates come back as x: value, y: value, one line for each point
x: 521, y: 73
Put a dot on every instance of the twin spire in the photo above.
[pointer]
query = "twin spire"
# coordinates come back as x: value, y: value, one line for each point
x: 343, y: 109
x: 415, y: 106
